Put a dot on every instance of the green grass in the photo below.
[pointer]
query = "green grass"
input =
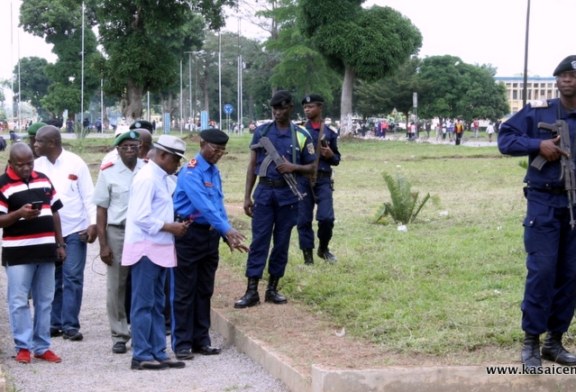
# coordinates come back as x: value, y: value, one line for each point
x: 452, y: 283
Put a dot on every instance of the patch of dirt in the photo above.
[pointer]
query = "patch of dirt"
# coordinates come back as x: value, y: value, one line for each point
x: 305, y: 338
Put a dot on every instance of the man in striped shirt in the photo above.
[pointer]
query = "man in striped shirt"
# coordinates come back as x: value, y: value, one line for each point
x: 31, y: 244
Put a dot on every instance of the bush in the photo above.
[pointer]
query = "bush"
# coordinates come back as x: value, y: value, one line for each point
x: 404, y: 207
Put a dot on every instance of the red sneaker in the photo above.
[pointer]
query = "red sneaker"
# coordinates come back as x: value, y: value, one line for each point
x: 23, y: 356
x: 48, y: 356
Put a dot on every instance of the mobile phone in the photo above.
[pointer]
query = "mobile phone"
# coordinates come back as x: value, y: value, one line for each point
x: 37, y: 205
x: 323, y: 143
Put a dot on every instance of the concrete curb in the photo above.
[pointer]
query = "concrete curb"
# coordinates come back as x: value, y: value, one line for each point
x: 393, y: 378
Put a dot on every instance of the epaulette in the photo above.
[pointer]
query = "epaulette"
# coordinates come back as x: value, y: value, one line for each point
x: 332, y: 128
x: 192, y: 163
x: 107, y: 165
x: 539, y: 103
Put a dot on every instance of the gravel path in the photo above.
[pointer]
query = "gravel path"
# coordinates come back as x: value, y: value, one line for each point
x: 90, y: 365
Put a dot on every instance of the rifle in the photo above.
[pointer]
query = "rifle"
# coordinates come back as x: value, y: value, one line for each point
x: 560, y: 127
x: 273, y: 156
x: 314, y: 176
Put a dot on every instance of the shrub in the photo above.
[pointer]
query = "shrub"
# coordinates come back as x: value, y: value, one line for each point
x: 404, y: 206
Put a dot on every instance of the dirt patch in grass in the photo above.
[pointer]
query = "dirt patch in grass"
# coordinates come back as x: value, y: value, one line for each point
x: 304, y: 337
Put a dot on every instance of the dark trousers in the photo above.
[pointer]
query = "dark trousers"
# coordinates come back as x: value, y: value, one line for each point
x: 550, y: 291
x: 270, y: 222
x: 192, y: 287
x: 321, y: 197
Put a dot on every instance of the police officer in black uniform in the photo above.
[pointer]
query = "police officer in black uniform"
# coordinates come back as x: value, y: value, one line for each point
x: 274, y: 210
x: 549, y: 235
x: 318, y: 188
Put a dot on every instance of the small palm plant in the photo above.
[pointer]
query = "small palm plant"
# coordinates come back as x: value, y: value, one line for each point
x: 404, y: 207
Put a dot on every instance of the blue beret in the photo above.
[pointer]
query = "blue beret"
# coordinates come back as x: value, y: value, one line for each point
x: 312, y: 98
x: 568, y: 64
x: 214, y: 136
x: 281, y: 98
x: 131, y: 135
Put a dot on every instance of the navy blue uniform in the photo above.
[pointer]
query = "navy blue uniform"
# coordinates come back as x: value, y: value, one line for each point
x: 275, y: 210
x: 198, y: 197
x: 550, y: 291
x: 321, y: 195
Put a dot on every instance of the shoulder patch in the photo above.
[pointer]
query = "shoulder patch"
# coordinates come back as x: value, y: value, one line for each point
x: 107, y: 165
x: 192, y: 163
x: 539, y: 103
x: 310, y: 148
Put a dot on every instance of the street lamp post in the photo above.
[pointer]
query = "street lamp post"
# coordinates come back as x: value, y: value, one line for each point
x: 190, y: 88
x: 82, y: 81
x: 525, y: 85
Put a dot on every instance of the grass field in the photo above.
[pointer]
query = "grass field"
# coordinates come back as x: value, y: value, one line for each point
x: 453, y: 282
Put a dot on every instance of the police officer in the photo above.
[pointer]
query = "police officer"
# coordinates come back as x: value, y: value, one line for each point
x: 198, y: 198
x: 274, y: 210
x: 549, y: 239
x: 111, y: 196
x: 318, y: 188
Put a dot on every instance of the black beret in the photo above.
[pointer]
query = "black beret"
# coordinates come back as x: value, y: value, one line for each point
x: 312, y: 98
x: 131, y: 135
x: 568, y: 64
x: 214, y: 136
x: 281, y: 98
x: 142, y: 124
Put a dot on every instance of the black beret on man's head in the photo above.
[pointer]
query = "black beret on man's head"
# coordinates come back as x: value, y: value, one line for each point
x: 312, y: 98
x: 214, y: 136
x: 142, y: 124
x: 568, y: 64
x: 281, y: 98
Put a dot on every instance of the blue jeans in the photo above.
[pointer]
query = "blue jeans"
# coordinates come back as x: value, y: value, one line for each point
x: 147, y: 311
x: 37, y: 279
x: 69, y: 286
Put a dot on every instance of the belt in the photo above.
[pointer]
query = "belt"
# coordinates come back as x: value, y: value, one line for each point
x: 116, y: 226
x: 201, y: 226
x: 553, y: 191
x: 266, y: 181
x: 324, y: 174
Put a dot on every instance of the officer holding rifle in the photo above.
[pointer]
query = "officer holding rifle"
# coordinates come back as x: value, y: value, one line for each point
x: 280, y: 152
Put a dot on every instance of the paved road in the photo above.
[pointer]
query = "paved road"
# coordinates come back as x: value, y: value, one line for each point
x: 90, y: 365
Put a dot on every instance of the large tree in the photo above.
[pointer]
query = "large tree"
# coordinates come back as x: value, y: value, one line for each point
x: 33, y: 81
x: 59, y: 22
x: 361, y: 43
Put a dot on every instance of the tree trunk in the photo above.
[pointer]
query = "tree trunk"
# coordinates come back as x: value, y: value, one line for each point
x: 346, y: 102
x: 133, y: 108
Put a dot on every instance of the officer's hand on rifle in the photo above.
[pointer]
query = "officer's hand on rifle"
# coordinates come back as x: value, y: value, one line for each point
x: 550, y: 151
x: 326, y: 152
x: 286, y: 167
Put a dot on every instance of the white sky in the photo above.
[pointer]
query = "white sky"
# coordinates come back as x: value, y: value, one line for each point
x: 477, y: 31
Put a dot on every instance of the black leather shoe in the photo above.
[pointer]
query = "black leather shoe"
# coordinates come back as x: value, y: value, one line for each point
x: 552, y: 350
x: 119, y: 348
x: 147, y: 365
x: 55, y: 332
x: 184, y: 354
x: 206, y: 350
x: 530, y: 355
x: 327, y: 256
x: 308, y: 256
x: 72, y: 335
x: 173, y: 364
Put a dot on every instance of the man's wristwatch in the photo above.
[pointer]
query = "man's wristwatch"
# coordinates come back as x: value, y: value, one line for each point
x: 62, y: 245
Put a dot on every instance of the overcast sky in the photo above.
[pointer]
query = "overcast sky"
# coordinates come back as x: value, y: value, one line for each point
x: 477, y: 31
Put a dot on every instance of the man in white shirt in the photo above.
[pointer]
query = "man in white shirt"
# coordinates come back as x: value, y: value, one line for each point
x: 73, y: 182
x: 149, y: 250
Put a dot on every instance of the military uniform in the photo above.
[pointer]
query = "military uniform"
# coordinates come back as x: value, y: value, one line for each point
x: 112, y: 191
x: 198, y: 198
x: 275, y: 205
x: 550, y: 242
x: 320, y: 195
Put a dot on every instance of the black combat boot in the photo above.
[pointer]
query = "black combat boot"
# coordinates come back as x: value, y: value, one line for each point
x: 308, y: 256
x: 553, y: 350
x: 251, y: 296
x: 325, y: 254
x: 272, y: 294
x: 531, y: 352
